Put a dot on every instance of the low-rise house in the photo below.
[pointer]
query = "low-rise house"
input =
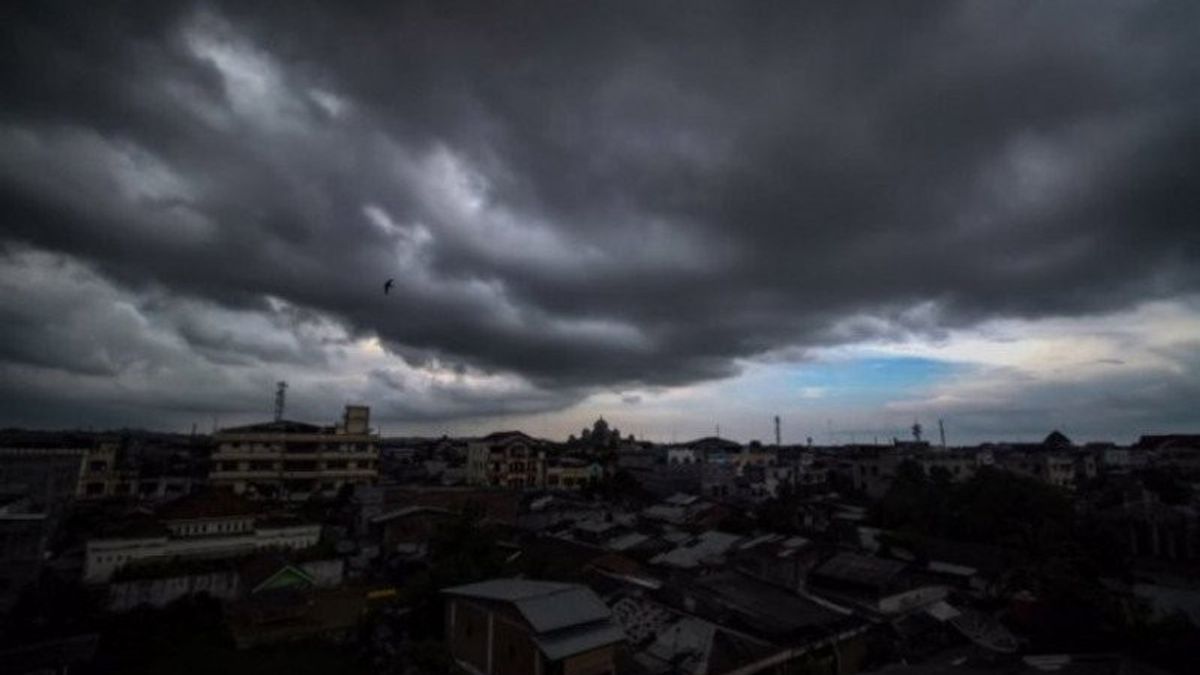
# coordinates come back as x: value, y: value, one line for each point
x: 851, y: 575
x: 523, y: 627
x: 678, y: 509
x: 746, y: 626
x: 285, y: 605
x: 157, y: 583
x: 1180, y: 451
x: 707, y: 549
x: 408, y: 529
x: 210, y: 524
x: 499, y: 506
x: 777, y: 559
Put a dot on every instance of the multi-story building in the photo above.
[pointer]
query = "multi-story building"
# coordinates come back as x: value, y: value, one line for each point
x: 104, y: 476
x: 872, y: 469
x: 960, y: 465
x: 24, y: 531
x: 1177, y: 451
x: 1053, y: 468
x: 571, y: 473
x: 49, y: 477
x: 293, y: 460
x: 204, y: 525
x: 506, y: 459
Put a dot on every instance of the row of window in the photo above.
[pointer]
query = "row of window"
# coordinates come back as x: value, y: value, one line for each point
x: 213, y: 528
x: 297, y: 447
x: 335, y: 465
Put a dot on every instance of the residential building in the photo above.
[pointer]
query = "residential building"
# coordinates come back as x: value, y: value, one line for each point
x: 103, y: 476
x: 959, y: 465
x: 872, y: 469
x: 1178, y: 451
x: 24, y: 532
x: 48, y: 477
x: 571, y: 473
x: 728, y: 622
x: 654, y: 469
x: 157, y: 583
x: 1052, y: 468
x: 293, y: 460
x: 212, y: 524
x: 498, y: 506
x: 508, y: 459
x: 284, y: 603
x: 527, y: 627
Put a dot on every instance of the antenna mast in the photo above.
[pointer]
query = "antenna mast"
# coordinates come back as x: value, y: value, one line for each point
x: 777, y: 435
x: 942, y: 432
x: 280, y: 397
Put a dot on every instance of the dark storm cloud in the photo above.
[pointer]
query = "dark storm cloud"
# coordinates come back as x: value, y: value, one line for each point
x: 599, y: 196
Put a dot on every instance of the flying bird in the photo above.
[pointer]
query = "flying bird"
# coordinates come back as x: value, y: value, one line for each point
x: 387, y: 286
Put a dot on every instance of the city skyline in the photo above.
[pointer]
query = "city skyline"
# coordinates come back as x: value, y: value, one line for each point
x: 673, y: 216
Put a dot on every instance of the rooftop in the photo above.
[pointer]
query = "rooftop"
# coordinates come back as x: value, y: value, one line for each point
x: 567, y: 618
x: 275, y: 427
x: 764, y: 608
x: 860, y: 569
x: 207, y: 504
x: 546, y: 605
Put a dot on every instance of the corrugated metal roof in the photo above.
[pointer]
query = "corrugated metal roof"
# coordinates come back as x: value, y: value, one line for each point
x: 859, y: 568
x: 406, y: 511
x: 562, y: 644
x: 546, y: 605
x: 564, y: 608
x: 507, y: 590
x: 627, y: 541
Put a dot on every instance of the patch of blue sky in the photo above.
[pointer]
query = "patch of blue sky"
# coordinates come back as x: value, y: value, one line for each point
x: 856, y: 380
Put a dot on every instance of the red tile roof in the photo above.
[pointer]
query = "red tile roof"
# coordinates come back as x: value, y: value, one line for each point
x: 208, y: 504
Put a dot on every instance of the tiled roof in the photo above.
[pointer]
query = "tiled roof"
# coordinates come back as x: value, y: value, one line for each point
x: 207, y: 504
x: 275, y: 427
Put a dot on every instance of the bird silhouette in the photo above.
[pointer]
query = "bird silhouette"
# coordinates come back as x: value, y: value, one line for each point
x: 387, y: 286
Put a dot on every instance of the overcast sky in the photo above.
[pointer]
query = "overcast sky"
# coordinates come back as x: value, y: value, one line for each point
x: 677, y: 215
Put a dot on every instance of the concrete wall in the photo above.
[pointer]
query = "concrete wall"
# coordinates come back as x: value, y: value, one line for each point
x: 467, y: 632
x: 126, y: 595
x: 106, y: 556
x: 596, y: 662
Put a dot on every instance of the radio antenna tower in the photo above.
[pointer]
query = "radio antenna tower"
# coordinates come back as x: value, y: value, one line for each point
x: 942, y: 433
x: 777, y: 435
x: 280, y: 397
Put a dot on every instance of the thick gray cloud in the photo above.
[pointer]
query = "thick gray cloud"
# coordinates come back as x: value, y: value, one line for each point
x: 577, y: 198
